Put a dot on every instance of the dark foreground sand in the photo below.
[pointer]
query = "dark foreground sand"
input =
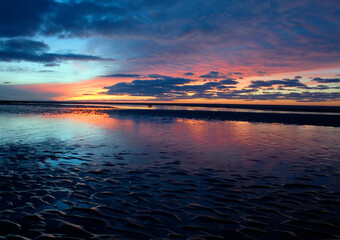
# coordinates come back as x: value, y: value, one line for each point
x: 108, y: 201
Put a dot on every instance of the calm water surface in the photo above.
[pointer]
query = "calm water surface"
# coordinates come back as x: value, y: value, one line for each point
x: 269, y: 180
x: 209, y: 143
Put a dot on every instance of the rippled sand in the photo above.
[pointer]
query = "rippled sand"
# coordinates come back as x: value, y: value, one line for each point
x: 107, y: 177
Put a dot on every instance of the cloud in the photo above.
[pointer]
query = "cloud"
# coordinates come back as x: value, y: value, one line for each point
x: 8, y: 56
x: 326, y: 80
x: 189, y: 74
x: 35, y: 51
x: 273, y: 34
x: 213, y: 75
x: 23, y: 45
x: 156, y: 76
x: 86, y: 18
x: 13, y: 69
x: 282, y: 83
x: 122, y: 75
x: 322, y: 87
x: 228, y: 81
x: 150, y: 87
x: 261, y: 73
x: 51, y: 65
x: 169, y: 87
x: 242, y: 38
x: 23, y: 17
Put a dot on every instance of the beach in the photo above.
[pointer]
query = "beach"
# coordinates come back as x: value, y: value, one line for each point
x: 104, y: 172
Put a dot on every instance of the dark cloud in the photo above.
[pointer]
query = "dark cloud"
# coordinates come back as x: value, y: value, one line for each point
x: 322, y: 87
x: 169, y: 87
x: 228, y: 81
x: 14, y: 69
x: 192, y: 17
x: 150, y: 87
x: 86, y: 18
x: 34, y: 51
x: 155, y: 75
x: 23, y: 17
x: 189, y: 74
x: 7, y: 56
x: 222, y: 87
x: 326, y: 80
x: 51, y: 65
x: 122, y: 75
x: 213, y: 75
x: 23, y: 45
x: 300, y: 32
x: 282, y: 83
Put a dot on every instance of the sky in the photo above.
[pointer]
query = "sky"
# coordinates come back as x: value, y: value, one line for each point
x: 216, y: 51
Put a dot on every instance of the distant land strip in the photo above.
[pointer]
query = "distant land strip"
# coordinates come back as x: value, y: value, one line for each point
x: 291, y: 118
x: 293, y: 108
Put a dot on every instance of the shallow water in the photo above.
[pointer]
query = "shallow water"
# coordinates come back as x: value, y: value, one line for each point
x: 82, y: 173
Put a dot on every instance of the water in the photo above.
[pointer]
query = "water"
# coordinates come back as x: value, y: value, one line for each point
x: 259, y: 180
x: 210, y: 143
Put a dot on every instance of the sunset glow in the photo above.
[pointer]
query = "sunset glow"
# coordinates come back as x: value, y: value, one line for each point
x: 269, y: 52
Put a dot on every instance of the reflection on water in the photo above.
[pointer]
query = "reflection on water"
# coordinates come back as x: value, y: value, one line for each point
x: 188, y: 177
x: 206, y: 143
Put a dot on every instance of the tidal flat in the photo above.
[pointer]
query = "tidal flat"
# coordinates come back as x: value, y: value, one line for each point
x: 102, y: 172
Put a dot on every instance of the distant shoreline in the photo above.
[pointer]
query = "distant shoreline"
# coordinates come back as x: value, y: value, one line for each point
x: 294, y: 108
x: 295, y: 119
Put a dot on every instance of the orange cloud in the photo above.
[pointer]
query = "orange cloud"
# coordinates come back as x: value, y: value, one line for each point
x: 93, y: 89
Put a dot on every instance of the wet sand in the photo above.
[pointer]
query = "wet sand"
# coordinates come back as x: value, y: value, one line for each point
x: 52, y: 189
x: 113, y: 200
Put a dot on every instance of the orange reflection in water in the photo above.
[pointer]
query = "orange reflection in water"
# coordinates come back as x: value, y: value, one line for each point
x: 93, y: 116
x: 216, y: 144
